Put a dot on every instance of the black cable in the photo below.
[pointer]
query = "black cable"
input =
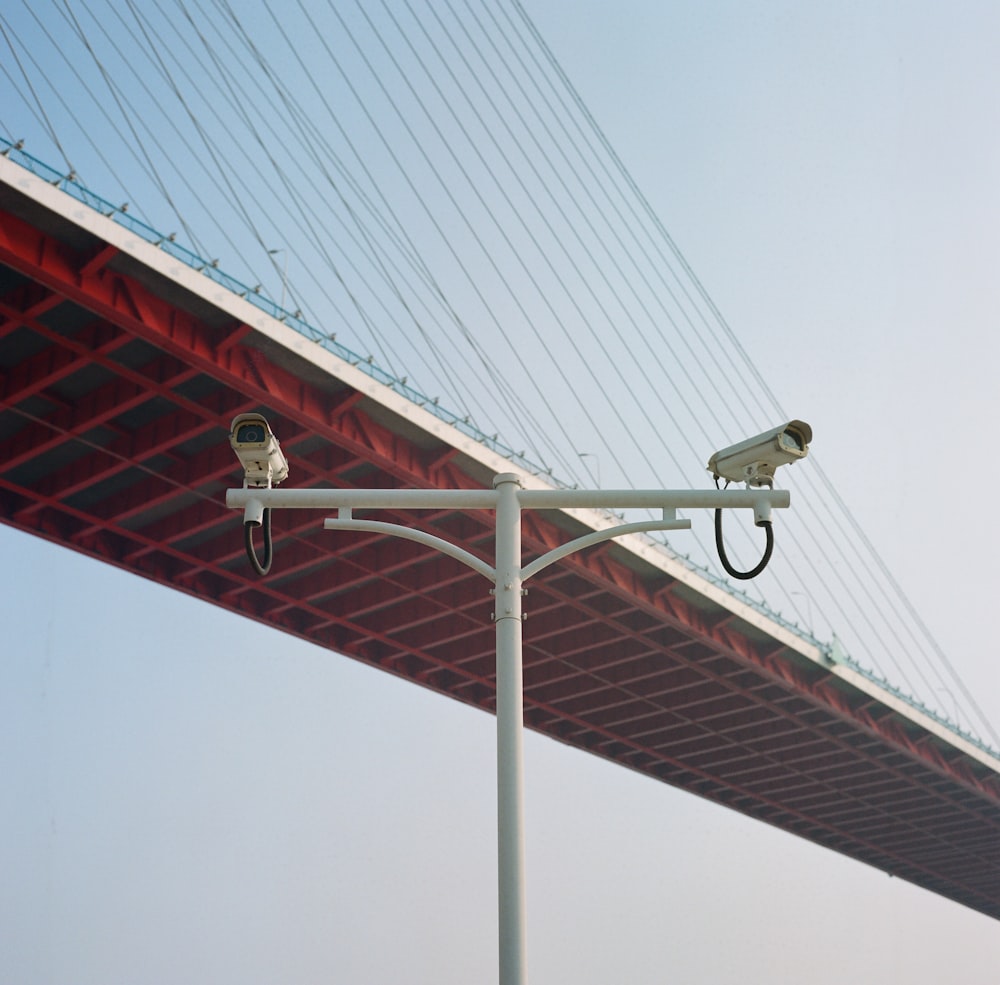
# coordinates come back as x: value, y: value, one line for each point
x: 261, y: 569
x: 762, y: 564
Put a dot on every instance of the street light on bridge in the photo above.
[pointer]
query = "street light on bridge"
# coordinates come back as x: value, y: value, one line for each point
x: 752, y: 461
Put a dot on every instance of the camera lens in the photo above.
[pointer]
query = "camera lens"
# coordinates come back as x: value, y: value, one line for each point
x: 250, y: 434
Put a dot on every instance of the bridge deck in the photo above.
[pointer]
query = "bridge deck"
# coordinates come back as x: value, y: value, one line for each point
x: 120, y: 370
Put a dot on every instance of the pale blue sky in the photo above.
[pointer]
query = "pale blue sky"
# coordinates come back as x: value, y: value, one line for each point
x: 189, y: 797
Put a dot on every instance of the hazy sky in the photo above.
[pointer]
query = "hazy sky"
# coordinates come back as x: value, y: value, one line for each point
x: 189, y: 797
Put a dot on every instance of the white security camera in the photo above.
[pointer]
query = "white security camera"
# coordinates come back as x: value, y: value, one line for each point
x: 258, y: 450
x: 753, y: 461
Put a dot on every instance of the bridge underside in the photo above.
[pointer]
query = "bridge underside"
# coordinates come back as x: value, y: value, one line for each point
x: 118, y: 387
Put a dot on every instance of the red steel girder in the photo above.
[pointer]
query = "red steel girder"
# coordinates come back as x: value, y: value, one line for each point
x: 786, y: 709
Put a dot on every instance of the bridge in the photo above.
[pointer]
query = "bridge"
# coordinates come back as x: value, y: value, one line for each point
x: 122, y: 365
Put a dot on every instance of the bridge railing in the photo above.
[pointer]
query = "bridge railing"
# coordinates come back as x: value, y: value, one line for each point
x: 209, y: 268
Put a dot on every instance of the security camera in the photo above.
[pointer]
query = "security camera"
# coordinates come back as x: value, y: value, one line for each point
x: 258, y: 450
x: 753, y: 461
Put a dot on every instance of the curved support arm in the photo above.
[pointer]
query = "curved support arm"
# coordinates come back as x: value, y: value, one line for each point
x: 597, y: 537
x: 407, y: 533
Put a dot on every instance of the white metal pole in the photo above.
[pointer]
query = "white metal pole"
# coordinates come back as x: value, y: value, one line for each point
x: 507, y: 498
x: 510, y: 729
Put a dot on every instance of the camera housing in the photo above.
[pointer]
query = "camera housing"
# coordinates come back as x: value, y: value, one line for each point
x: 753, y: 461
x: 260, y: 454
